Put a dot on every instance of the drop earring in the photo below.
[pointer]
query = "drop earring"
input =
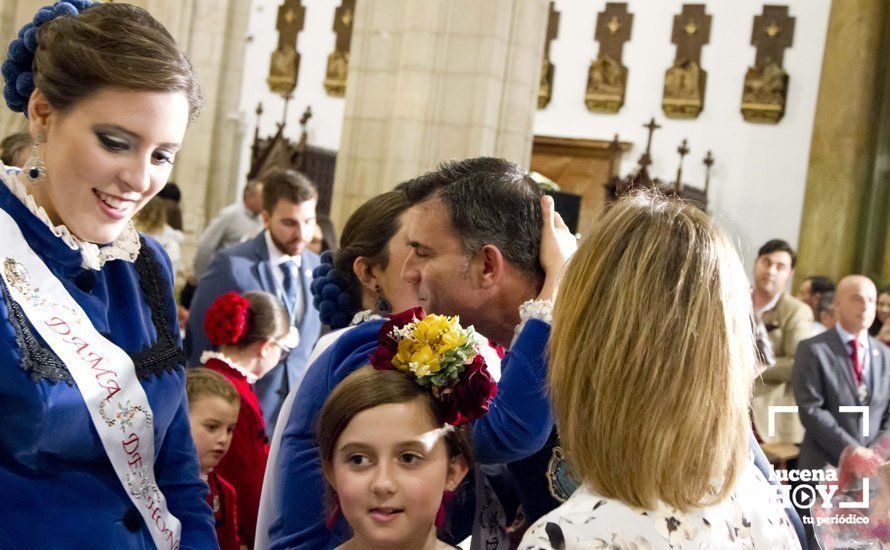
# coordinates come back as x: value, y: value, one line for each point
x: 382, y: 305
x: 34, y: 167
x: 442, y: 514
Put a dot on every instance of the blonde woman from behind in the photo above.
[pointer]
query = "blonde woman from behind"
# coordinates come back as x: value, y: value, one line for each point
x: 650, y: 375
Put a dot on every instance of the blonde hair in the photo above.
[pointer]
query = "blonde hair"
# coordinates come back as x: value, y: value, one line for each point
x: 152, y: 218
x: 200, y: 382
x: 652, y: 356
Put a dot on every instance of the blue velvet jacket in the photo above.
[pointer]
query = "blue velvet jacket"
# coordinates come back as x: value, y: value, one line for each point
x: 518, y: 424
x: 57, y: 486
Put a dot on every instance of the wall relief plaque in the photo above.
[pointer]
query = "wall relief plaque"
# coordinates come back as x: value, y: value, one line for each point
x: 684, y: 81
x: 607, y: 76
x: 766, y: 83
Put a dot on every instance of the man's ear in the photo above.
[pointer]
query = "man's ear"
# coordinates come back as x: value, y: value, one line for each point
x: 491, y: 265
x: 39, y: 114
x: 365, y: 273
x: 265, y: 216
x: 457, y: 471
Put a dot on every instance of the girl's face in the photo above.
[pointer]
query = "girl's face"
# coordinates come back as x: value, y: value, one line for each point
x: 212, y: 421
x: 105, y: 157
x: 389, y: 470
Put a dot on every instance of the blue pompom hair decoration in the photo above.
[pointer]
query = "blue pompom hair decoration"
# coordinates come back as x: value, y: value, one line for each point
x: 330, y: 295
x: 17, y: 70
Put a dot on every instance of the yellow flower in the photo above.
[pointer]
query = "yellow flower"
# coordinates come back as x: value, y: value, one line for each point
x: 403, y: 357
x: 430, y: 329
x: 451, y: 339
x: 423, y: 355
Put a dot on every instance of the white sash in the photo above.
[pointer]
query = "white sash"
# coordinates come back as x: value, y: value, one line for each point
x: 104, y: 373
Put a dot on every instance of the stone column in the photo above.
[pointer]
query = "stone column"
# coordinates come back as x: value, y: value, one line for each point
x: 212, y: 33
x: 842, y: 150
x: 435, y: 80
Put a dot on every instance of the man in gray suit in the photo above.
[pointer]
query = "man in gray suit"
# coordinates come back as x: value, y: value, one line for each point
x: 843, y: 366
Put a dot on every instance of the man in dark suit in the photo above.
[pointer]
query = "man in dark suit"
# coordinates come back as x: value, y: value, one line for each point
x: 276, y: 261
x: 843, y: 366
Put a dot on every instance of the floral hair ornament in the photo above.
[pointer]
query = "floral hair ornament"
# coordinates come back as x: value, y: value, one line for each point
x: 18, y: 69
x: 226, y: 319
x: 441, y: 355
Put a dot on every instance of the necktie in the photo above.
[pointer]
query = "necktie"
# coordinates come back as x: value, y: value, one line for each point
x: 857, y: 361
x: 289, y: 269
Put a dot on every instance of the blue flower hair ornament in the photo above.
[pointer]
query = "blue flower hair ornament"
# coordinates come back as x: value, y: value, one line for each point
x: 336, y: 305
x: 18, y: 68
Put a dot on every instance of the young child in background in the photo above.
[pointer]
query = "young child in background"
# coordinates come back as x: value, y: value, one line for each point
x: 213, y: 412
x: 392, y: 448
x: 251, y: 332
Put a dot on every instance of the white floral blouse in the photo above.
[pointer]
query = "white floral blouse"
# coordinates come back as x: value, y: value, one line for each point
x: 749, y: 518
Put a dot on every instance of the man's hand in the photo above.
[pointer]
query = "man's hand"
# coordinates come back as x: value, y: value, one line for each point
x: 557, y: 246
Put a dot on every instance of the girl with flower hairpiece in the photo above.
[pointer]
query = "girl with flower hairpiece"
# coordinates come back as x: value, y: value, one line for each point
x: 353, y: 290
x: 250, y: 332
x: 94, y: 421
x: 393, y: 447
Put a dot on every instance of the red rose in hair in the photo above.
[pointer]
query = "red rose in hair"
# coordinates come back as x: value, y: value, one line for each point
x: 226, y: 319
x: 469, y: 398
x: 475, y: 390
x: 387, y: 346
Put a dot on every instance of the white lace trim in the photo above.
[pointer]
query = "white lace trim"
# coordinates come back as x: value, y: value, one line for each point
x: 207, y: 355
x: 125, y: 247
x: 364, y: 315
x: 534, y: 309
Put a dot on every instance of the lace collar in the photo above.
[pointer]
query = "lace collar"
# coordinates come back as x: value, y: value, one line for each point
x: 365, y: 315
x: 125, y: 247
x: 207, y: 355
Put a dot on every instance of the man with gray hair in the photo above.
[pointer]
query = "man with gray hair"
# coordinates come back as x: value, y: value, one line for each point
x: 233, y: 224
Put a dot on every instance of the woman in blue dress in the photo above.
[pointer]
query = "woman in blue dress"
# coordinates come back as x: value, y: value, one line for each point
x: 95, y: 449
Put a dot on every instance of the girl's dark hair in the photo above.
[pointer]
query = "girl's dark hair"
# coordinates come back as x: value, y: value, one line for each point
x: 367, y: 232
x: 110, y: 45
x: 367, y: 388
x: 266, y: 318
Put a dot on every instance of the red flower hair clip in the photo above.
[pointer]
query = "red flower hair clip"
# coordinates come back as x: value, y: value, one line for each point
x: 440, y: 355
x: 226, y: 319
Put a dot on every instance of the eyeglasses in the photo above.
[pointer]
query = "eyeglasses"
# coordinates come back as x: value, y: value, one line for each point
x: 288, y: 342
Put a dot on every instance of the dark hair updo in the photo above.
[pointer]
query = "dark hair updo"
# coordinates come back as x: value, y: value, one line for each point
x: 336, y: 290
x: 110, y: 45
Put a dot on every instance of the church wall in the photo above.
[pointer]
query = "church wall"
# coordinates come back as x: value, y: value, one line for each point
x: 314, y: 44
x: 758, y: 180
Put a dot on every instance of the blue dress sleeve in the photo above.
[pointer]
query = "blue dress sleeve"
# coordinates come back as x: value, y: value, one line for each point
x: 299, y: 510
x: 298, y: 521
x: 519, y: 420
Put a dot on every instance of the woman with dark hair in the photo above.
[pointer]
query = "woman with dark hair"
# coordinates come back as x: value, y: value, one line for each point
x: 353, y: 289
x: 94, y: 425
